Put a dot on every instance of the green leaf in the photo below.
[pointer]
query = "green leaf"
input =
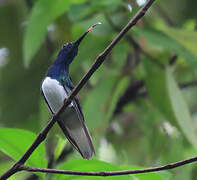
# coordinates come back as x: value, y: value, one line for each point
x: 43, y: 14
x: 79, y: 12
x: 188, y: 39
x: 60, y: 146
x: 4, y: 166
x: 163, y: 41
x: 180, y: 109
x: 149, y: 176
x: 120, y: 55
x: 143, y: 176
x: 119, y: 89
x: 14, y: 142
x: 44, y: 114
x: 156, y: 84
x: 102, y: 100
x: 90, y: 165
x: 167, y: 96
x: 166, y: 175
x: 96, y: 103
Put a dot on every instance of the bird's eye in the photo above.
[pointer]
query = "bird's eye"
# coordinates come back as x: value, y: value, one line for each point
x: 68, y: 45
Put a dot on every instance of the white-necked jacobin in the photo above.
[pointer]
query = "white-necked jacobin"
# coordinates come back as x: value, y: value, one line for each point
x: 56, y: 87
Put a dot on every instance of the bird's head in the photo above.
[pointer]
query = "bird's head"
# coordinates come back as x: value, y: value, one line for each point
x: 70, y: 49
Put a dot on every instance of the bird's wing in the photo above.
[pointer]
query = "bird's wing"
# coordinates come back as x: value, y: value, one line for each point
x: 73, y: 127
x: 77, y: 130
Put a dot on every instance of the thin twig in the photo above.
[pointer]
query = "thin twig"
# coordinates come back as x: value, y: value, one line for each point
x: 130, y: 94
x: 133, y: 92
x: 98, y: 61
x: 188, y: 84
x: 137, y: 89
x: 111, y: 173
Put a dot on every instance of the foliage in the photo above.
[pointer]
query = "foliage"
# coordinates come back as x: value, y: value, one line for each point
x: 156, y: 122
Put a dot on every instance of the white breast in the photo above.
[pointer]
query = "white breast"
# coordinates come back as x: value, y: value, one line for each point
x: 54, y: 93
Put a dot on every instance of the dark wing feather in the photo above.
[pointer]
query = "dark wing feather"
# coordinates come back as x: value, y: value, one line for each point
x: 74, y: 128
x: 81, y: 124
x: 77, y: 107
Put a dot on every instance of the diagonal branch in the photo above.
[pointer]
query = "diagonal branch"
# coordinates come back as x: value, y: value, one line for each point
x: 111, y: 173
x: 98, y: 61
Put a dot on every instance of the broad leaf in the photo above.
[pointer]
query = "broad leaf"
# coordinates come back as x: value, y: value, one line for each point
x: 143, y: 176
x: 180, y: 109
x: 188, y: 39
x: 61, y: 143
x: 120, y: 55
x: 96, y: 103
x: 43, y: 14
x: 4, y: 166
x: 167, y: 96
x: 14, y: 142
x: 118, y: 91
x: 161, y: 40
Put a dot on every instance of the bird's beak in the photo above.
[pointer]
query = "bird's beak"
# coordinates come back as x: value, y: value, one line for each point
x: 78, y: 41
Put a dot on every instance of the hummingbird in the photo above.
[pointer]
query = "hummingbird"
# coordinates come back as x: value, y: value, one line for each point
x: 56, y: 87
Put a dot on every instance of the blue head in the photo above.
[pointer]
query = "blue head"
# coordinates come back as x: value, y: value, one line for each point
x: 65, y: 57
x: 60, y: 67
x: 66, y: 54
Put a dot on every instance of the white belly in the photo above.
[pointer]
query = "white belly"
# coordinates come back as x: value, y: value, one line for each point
x: 54, y: 93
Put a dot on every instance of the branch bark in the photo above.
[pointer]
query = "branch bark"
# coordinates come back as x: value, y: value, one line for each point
x: 111, y: 173
x: 98, y: 61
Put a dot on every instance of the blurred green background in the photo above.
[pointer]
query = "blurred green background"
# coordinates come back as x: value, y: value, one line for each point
x: 140, y: 105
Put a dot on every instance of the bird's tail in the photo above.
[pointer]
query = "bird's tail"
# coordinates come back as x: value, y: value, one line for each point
x: 76, y: 131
